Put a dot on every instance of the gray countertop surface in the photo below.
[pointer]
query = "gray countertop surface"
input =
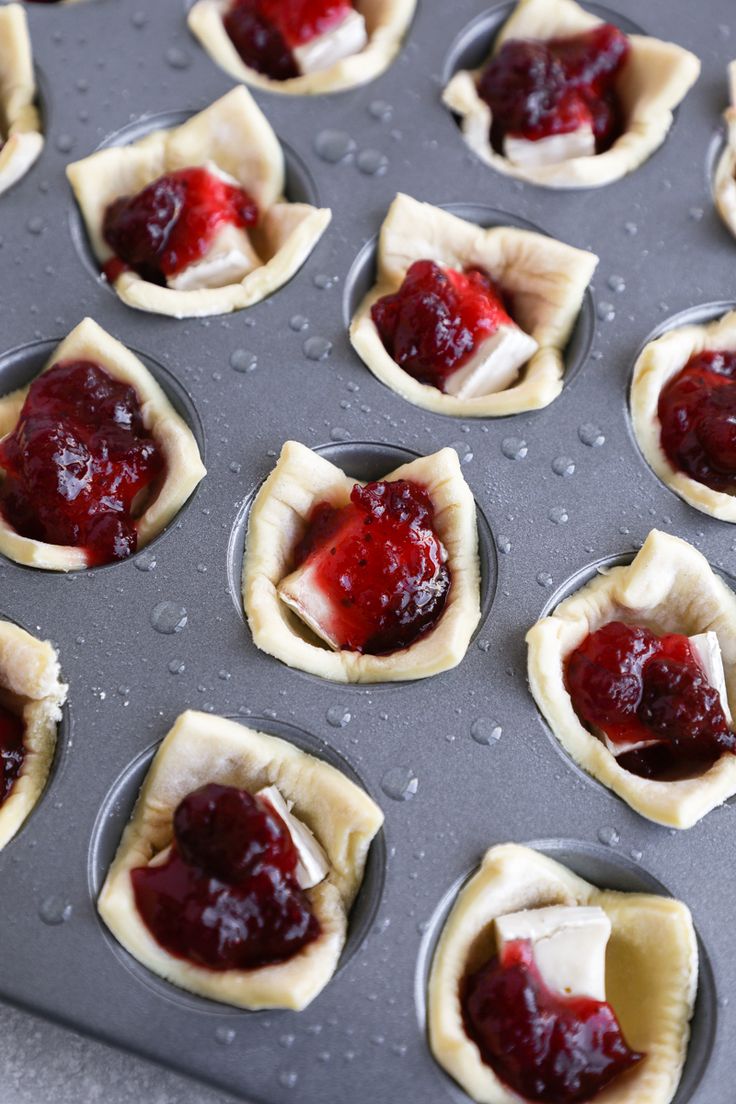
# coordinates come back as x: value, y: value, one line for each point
x: 41, y: 1063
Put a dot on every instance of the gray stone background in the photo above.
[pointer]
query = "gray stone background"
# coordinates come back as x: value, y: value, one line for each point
x: 44, y: 1064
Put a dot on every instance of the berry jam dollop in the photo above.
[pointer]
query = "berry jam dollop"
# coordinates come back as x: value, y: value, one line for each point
x: 380, y: 564
x: 437, y: 319
x: 265, y: 32
x: 537, y: 89
x: 12, y: 751
x: 635, y: 686
x: 78, y: 461
x: 697, y: 414
x: 544, y: 1045
x: 227, y: 895
x: 171, y: 224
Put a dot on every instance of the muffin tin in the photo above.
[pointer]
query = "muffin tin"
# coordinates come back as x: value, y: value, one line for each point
x: 459, y: 761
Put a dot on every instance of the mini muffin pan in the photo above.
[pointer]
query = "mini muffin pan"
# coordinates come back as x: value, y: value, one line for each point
x: 459, y: 761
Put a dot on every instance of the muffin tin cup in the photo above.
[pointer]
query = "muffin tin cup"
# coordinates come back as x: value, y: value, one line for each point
x: 458, y: 761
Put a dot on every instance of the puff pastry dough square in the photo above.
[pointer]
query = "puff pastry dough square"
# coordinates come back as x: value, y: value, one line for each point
x: 30, y: 687
x: 656, y: 77
x: 201, y: 748
x: 20, y: 123
x: 183, y: 465
x: 545, y: 278
x: 651, y: 971
x: 657, y: 364
x: 386, y: 23
x: 235, y: 135
x: 278, y: 520
x: 668, y: 587
x: 724, y: 185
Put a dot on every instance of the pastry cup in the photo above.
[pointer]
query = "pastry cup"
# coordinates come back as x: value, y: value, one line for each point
x: 668, y: 587
x: 183, y: 464
x: 201, y: 748
x: 724, y: 184
x: 20, y: 123
x: 658, y: 362
x: 387, y: 21
x: 234, y: 133
x: 545, y: 278
x: 278, y: 519
x: 651, y: 972
x: 655, y: 78
x: 30, y: 687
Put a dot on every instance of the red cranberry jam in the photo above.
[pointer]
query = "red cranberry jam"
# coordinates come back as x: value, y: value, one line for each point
x: 380, y: 564
x: 537, y: 89
x: 265, y: 32
x: 12, y: 751
x: 227, y: 896
x: 697, y: 413
x: 437, y: 319
x: 77, y: 462
x: 171, y: 224
x: 544, y: 1045
x: 636, y: 687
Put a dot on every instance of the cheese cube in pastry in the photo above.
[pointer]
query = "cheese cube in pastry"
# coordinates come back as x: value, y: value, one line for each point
x: 551, y: 150
x: 569, y: 946
x: 347, y: 38
x: 494, y: 365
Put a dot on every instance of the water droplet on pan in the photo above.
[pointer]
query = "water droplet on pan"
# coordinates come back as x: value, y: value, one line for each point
x: 514, y: 448
x: 591, y: 435
x: 225, y: 1035
x: 380, y: 109
x: 504, y: 544
x: 54, y: 910
x: 544, y: 578
x: 609, y: 835
x: 338, y: 716
x: 288, y: 1078
x: 146, y: 561
x: 169, y: 618
x: 559, y: 515
x: 177, y: 58
x: 177, y: 666
x: 241, y: 360
x: 372, y: 162
x: 617, y: 284
x: 563, y: 465
x: 464, y: 451
x: 400, y: 783
x: 486, y: 731
x: 298, y: 322
x: 325, y: 282
x: 317, y: 348
x: 606, y: 312
x: 333, y: 145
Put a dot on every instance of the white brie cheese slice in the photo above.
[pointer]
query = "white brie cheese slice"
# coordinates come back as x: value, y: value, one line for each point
x: 569, y: 946
x: 302, y: 593
x: 313, y: 866
x: 494, y: 365
x: 347, y: 38
x: 551, y: 150
x: 707, y: 651
x: 619, y: 748
x: 229, y: 259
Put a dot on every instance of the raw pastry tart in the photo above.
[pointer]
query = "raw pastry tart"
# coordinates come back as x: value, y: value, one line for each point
x: 192, y: 221
x: 273, y: 839
x: 683, y: 403
x: 94, y: 460
x: 302, y: 46
x: 725, y: 179
x: 363, y: 582
x: 525, y: 968
x: 568, y: 101
x: 21, y: 140
x: 31, y: 697
x: 468, y: 321
x: 634, y: 674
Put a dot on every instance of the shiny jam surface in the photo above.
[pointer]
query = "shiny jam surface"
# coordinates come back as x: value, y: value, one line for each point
x: 227, y: 896
x: 536, y: 89
x: 636, y: 686
x: 697, y: 414
x: 264, y: 32
x: 546, y: 1046
x: 171, y: 224
x: 380, y: 564
x: 436, y: 320
x: 77, y: 462
x: 12, y: 751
